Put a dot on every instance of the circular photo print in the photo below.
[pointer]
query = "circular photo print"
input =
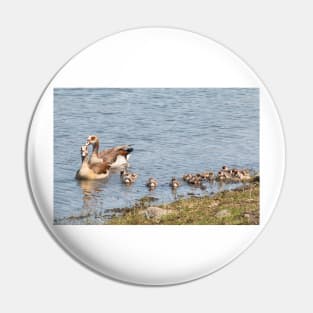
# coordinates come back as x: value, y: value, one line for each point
x: 155, y: 156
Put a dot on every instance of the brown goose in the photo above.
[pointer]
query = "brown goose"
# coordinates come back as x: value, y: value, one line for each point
x: 118, y: 155
x: 92, y: 171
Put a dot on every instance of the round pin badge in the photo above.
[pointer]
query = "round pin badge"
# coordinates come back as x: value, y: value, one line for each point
x: 155, y: 156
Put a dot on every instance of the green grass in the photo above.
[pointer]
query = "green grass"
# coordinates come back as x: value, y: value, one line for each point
x: 234, y: 207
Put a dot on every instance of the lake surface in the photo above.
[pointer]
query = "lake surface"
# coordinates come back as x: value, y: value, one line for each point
x: 173, y: 132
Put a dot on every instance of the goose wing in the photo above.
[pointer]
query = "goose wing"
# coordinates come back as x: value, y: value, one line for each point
x: 110, y: 155
x: 100, y: 168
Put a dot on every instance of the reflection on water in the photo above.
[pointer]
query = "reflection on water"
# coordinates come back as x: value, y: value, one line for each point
x: 91, y: 194
x: 173, y: 132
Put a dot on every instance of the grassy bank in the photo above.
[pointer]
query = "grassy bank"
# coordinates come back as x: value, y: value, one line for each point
x: 234, y: 207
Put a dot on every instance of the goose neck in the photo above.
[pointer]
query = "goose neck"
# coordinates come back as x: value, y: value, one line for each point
x: 95, y: 149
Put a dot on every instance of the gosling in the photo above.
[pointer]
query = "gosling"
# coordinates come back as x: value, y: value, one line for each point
x: 187, y: 177
x: 195, y: 180
x: 207, y: 175
x: 133, y: 177
x: 174, y: 183
x: 152, y: 183
x: 128, y: 178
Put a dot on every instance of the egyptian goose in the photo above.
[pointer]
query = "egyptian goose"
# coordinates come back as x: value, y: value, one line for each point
x: 118, y: 155
x: 91, y: 171
x: 174, y: 183
x: 152, y: 183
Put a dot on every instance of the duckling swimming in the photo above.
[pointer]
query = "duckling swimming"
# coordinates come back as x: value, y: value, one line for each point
x: 125, y: 177
x: 244, y: 174
x: 174, y: 183
x: 152, y: 183
x: 225, y: 168
x: 195, y: 180
x: 187, y: 177
x: 204, y: 175
x: 211, y: 176
x: 133, y: 177
x: 222, y: 175
x: 207, y: 175
x: 128, y: 178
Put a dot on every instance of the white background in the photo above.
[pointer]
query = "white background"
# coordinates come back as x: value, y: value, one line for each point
x: 274, y: 38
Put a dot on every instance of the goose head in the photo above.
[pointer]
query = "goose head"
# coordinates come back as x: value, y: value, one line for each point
x: 84, y: 152
x: 92, y: 140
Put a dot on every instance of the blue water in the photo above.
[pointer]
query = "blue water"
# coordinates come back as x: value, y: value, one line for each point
x: 173, y: 132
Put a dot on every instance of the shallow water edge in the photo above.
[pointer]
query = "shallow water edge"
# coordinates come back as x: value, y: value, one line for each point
x: 236, y: 206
